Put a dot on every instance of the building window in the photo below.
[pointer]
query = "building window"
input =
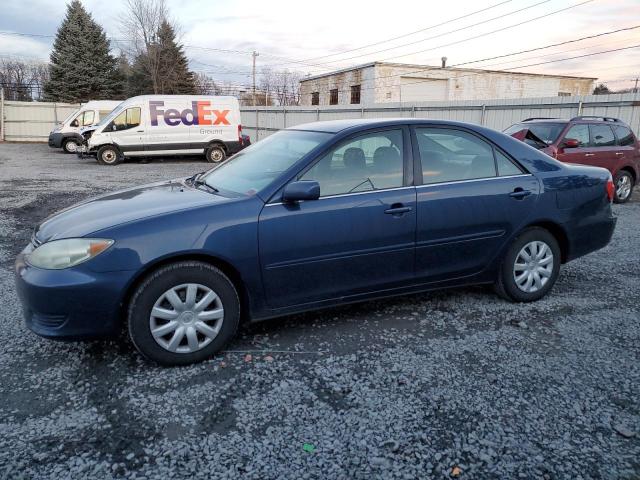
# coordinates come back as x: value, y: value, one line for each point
x: 315, y: 98
x: 355, y: 94
x: 564, y: 94
x: 333, y: 96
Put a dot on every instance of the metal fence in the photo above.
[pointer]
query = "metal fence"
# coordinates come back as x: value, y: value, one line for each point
x: 32, y: 121
x: 259, y: 122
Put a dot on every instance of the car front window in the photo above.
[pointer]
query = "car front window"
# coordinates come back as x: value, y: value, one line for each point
x: 257, y: 166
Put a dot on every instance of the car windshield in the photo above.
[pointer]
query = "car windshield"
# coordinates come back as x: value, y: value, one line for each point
x: 547, y: 132
x: 258, y: 165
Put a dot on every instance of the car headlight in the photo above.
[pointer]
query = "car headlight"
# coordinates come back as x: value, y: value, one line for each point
x: 66, y: 253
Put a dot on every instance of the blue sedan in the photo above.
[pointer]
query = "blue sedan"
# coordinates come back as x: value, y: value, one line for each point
x: 313, y: 216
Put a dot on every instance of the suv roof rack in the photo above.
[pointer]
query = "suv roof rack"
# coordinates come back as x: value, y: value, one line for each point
x: 540, y: 118
x: 597, y: 117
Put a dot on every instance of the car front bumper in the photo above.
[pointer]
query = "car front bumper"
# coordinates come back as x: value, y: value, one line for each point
x: 70, y: 303
x: 55, y: 140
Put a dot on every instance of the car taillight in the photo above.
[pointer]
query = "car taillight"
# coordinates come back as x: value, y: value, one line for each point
x: 610, y: 189
x: 240, y: 135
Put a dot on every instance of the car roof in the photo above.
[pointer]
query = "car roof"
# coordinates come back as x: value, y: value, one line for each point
x: 336, y: 126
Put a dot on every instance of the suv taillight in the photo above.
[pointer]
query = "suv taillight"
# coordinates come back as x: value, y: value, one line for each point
x: 610, y: 189
x: 240, y: 135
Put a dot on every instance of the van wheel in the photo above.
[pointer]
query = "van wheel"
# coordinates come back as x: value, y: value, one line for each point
x: 108, y: 155
x: 623, y: 182
x: 530, y: 267
x: 183, y: 313
x: 215, y: 154
x: 69, y: 145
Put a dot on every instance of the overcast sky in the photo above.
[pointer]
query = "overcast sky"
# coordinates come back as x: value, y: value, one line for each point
x: 285, y: 32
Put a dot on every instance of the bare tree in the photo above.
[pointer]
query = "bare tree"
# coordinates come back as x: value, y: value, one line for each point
x: 282, y: 87
x: 141, y: 24
x: 22, y: 80
x: 205, y: 85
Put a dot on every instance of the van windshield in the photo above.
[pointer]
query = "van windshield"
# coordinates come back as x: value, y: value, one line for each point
x: 254, y: 168
x: 114, y: 113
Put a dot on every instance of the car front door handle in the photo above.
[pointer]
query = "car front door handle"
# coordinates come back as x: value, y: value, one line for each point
x: 619, y: 153
x: 397, y: 209
x: 589, y: 154
x: 520, y: 193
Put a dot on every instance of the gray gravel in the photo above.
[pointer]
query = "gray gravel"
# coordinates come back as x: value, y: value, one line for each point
x: 449, y: 384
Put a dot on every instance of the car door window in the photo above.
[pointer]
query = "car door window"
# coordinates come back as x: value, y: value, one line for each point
x: 368, y: 162
x: 625, y: 137
x: 449, y: 155
x: 602, y: 136
x: 505, y: 166
x: 129, y: 118
x: 580, y: 133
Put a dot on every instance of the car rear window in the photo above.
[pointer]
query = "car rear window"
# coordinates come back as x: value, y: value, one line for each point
x: 625, y: 137
x: 602, y: 135
x: 547, y: 132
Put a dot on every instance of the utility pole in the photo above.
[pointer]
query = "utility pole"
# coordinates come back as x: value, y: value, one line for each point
x: 254, y: 55
x: 635, y: 88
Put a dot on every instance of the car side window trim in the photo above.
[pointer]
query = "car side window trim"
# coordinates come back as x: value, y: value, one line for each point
x: 337, y: 195
x: 417, y: 159
x: 469, y: 180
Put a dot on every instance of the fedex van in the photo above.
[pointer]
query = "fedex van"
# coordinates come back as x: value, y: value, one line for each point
x: 162, y: 125
x: 65, y: 135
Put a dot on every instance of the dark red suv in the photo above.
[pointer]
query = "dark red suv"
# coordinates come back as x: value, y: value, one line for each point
x: 599, y: 141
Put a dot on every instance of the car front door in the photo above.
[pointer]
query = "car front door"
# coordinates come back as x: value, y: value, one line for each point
x: 580, y: 154
x: 127, y: 131
x: 357, y: 237
x: 472, y: 198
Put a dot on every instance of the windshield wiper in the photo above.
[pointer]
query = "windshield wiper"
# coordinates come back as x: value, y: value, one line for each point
x: 196, y: 182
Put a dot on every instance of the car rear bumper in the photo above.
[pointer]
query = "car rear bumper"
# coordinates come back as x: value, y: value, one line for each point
x: 590, y: 236
x: 70, y: 303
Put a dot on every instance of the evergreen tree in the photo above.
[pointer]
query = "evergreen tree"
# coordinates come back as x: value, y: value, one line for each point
x: 175, y: 76
x: 81, y: 67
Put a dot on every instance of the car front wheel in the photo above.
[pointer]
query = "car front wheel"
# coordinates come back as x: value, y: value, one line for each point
x: 530, y: 267
x: 183, y: 313
x: 623, y: 182
x: 70, y: 145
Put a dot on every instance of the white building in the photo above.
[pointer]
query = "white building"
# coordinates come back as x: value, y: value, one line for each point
x: 381, y: 82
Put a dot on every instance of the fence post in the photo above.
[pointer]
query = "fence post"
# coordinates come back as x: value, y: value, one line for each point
x: 284, y: 116
x: 317, y: 114
x: 55, y: 112
x: 413, y: 111
x: 2, y: 135
x: 257, y: 124
x: 580, y: 107
x: 484, y: 109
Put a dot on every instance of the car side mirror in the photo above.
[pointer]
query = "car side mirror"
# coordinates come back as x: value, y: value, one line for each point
x: 75, y: 123
x: 571, y: 143
x: 301, y: 190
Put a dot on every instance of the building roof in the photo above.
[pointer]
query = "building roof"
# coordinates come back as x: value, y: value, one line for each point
x: 427, y: 68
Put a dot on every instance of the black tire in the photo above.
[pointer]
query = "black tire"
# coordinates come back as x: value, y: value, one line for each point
x: 165, y: 278
x: 216, y: 153
x: 108, y: 155
x: 69, y: 145
x: 622, y: 176
x: 506, y: 285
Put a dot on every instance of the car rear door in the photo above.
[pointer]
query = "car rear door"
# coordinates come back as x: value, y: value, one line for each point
x: 604, y: 150
x: 472, y: 198
x: 358, y: 237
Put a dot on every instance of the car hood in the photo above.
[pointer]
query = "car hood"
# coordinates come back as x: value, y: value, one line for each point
x: 121, y: 207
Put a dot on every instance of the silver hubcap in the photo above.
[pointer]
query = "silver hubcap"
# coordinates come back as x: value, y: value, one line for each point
x: 109, y: 156
x: 533, y: 266
x: 216, y: 155
x: 623, y: 187
x: 72, y: 146
x: 186, y: 318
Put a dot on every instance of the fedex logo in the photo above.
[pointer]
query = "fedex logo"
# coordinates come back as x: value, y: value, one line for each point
x: 199, y: 114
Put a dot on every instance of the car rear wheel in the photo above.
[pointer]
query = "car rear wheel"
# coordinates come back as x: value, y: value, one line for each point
x: 69, y: 145
x: 183, y: 313
x: 530, y: 267
x: 623, y: 182
x: 216, y: 154
x: 108, y: 155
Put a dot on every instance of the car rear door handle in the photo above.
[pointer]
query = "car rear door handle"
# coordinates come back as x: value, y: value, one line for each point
x: 397, y: 209
x: 589, y: 154
x: 619, y: 153
x: 520, y: 193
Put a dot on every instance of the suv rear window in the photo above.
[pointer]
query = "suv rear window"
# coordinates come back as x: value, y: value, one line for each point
x: 602, y: 135
x: 547, y: 132
x: 625, y: 137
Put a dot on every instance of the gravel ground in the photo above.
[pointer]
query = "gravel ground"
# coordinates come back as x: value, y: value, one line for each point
x: 449, y: 384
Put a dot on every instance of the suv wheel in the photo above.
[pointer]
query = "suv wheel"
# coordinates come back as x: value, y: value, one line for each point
x: 69, y: 145
x: 183, y: 313
x: 108, y: 155
x: 623, y: 182
x: 215, y: 154
x: 530, y: 267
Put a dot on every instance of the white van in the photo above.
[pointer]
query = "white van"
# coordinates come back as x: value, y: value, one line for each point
x: 162, y: 125
x: 65, y: 135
